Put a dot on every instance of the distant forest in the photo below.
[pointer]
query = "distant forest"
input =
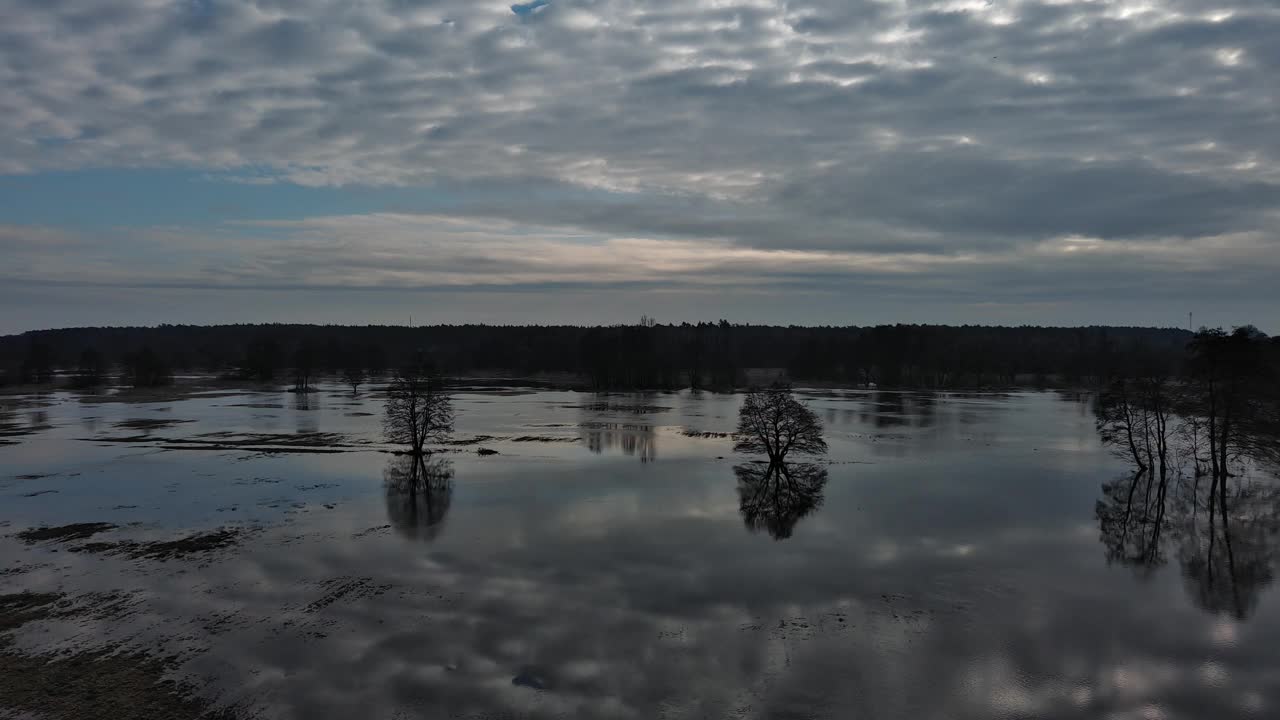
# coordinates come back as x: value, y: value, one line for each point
x: 648, y: 355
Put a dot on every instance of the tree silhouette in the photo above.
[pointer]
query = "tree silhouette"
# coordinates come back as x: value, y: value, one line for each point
x: 419, y: 491
x: 304, y: 365
x: 1134, y: 421
x: 1235, y: 374
x: 775, y: 496
x: 353, y: 374
x: 775, y: 423
x: 418, y: 410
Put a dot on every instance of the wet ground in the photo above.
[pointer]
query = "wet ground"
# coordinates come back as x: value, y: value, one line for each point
x: 215, y: 552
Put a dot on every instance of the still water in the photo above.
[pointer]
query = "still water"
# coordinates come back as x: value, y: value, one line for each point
x: 616, y: 559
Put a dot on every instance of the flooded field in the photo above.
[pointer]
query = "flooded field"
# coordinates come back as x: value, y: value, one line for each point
x: 238, y: 554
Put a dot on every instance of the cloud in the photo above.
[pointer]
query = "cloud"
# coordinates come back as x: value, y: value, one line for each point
x: 862, y: 137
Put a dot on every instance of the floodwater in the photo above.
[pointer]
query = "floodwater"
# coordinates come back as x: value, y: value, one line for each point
x: 616, y: 559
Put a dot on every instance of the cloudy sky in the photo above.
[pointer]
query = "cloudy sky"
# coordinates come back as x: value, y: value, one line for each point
x: 806, y: 161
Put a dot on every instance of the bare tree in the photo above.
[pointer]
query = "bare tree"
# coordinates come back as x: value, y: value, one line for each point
x: 418, y: 410
x: 773, y: 422
x: 1121, y: 422
x: 304, y: 364
x: 1237, y: 396
x: 1134, y: 419
x: 353, y: 375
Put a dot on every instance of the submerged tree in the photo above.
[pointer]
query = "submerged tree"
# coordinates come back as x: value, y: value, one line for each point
x: 304, y: 365
x: 775, y: 496
x: 775, y: 423
x: 353, y: 375
x: 418, y: 410
x: 1135, y: 420
x: 1237, y: 396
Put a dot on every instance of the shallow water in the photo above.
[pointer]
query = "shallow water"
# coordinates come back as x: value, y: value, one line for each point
x: 616, y: 559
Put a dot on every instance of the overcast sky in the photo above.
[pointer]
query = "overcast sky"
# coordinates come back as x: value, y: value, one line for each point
x: 793, y: 161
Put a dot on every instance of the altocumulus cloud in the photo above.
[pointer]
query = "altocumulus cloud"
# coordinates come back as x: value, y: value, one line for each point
x: 948, y: 154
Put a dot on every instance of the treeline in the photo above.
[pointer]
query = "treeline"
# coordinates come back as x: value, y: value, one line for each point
x: 718, y: 355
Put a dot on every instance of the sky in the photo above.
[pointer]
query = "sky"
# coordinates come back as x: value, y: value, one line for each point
x: 589, y: 161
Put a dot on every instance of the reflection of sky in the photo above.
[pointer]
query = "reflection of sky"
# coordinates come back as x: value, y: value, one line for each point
x: 952, y: 570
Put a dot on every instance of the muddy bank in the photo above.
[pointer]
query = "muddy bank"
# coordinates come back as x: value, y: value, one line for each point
x: 64, y: 533
x: 195, y: 544
x: 199, y: 543
x: 301, y: 442
x: 687, y: 432
x: 88, y: 684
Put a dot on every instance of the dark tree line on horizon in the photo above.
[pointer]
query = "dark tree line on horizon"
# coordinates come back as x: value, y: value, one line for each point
x: 647, y: 355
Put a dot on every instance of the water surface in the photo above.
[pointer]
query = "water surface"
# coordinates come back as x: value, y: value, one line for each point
x: 616, y: 559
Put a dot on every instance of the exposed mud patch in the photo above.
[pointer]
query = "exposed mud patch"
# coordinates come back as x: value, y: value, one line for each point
x: 637, y: 409
x: 303, y: 442
x: 345, y: 589
x: 171, y: 393
x: 148, y: 424
x: 105, y: 682
x: 545, y: 439
x: 260, y: 406
x: 195, y: 544
x: 473, y: 440
x: 64, y: 533
x: 704, y: 434
x: 16, y: 570
x: 17, y: 609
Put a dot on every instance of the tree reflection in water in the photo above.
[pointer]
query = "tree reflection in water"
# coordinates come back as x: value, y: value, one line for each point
x: 775, y: 496
x: 419, y: 490
x: 1224, y: 531
x: 1131, y: 519
x: 635, y: 439
x: 1228, y: 546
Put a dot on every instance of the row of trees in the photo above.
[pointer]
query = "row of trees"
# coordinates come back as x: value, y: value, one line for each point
x: 1193, y: 438
x: 1221, y: 409
x: 773, y: 495
x: 644, y: 355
